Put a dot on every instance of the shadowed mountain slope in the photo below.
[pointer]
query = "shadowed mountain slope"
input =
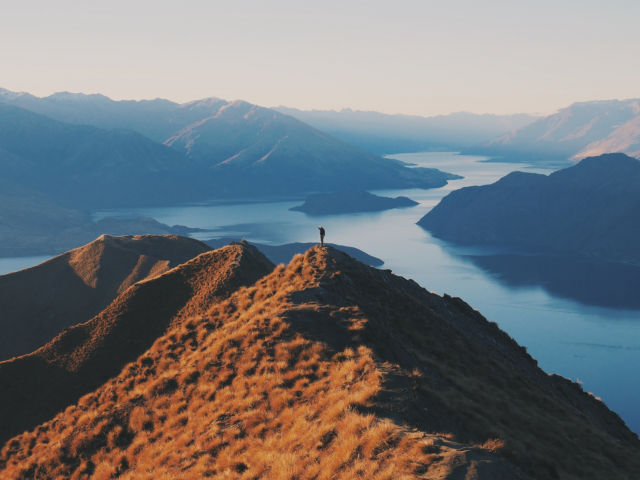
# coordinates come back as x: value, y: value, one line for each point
x: 237, y: 148
x: 325, y: 369
x: 592, y: 208
x: 257, y: 150
x: 34, y: 387
x: 157, y: 119
x: 578, y: 131
x: 87, y: 167
x: 39, y: 302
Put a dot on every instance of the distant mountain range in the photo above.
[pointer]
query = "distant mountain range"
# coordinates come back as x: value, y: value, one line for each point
x: 581, y: 130
x: 592, y: 208
x: 385, y: 134
x: 218, y: 148
x: 65, y: 155
x: 81, y: 165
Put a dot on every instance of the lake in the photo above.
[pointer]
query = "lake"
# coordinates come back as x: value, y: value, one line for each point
x: 578, y: 317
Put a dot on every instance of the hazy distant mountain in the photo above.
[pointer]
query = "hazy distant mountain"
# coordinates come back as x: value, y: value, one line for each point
x: 157, y: 119
x: 384, y: 134
x: 237, y: 148
x: 81, y: 165
x: 592, y: 208
x: 625, y: 138
x: 578, y: 131
x: 284, y: 253
x: 251, y: 149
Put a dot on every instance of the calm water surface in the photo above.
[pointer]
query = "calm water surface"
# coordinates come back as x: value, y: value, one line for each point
x: 579, y: 318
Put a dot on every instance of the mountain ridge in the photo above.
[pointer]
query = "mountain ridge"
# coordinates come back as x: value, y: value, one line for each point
x: 77, y: 285
x: 84, y: 356
x: 330, y: 368
x: 578, y: 131
x: 218, y: 148
x: 386, y: 134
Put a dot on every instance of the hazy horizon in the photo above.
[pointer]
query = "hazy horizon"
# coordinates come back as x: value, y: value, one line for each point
x: 412, y: 58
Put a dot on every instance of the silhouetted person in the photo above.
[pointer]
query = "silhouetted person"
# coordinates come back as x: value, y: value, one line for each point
x: 321, y: 235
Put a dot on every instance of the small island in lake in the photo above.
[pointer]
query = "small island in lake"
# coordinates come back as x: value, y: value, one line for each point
x: 350, y: 202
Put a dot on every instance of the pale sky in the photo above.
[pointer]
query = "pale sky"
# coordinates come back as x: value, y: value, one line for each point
x: 412, y: 57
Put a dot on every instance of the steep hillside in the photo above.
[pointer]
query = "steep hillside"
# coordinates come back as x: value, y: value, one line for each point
x: 34, y: 387
x: 625, y: 138
x: 257, y: 150
x: 39, y: 302
x: 86, y: 167
x: 325, y: 369
x: 580, y: 130
x: 236, y: 149
x: 592, y: 208
x: 384, y: 134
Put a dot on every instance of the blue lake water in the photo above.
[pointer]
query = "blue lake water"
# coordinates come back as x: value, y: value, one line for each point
x: 579, y: 318
x: 8, y: 265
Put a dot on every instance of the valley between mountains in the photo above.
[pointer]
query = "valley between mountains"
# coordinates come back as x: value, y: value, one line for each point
x: 227, y: 365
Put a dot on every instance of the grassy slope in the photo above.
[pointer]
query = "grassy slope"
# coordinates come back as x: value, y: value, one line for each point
x: 35, y: 387
x: 39, y: 302
x: 330, y: 369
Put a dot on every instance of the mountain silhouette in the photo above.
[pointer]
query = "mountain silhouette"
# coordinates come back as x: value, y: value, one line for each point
x: 324, y: 368
x: 592, y: 208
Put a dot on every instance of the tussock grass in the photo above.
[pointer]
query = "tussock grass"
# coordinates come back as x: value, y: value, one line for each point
x: 248, y: 391
x: 235, y: 393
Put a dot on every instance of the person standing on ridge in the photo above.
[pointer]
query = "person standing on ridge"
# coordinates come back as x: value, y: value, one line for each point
x: 321, y: 235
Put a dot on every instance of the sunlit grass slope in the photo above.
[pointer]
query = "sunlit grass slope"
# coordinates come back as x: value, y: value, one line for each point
x: 39, y: 302
x: 325, y: 369
x: 34, y: 387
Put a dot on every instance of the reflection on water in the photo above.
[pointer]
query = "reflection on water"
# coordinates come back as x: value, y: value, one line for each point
x: 601, y: 284
x: 564, y: 311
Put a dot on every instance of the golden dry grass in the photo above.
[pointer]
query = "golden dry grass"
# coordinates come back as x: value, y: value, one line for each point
x: 247, y: 391
x: 234, y: 393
